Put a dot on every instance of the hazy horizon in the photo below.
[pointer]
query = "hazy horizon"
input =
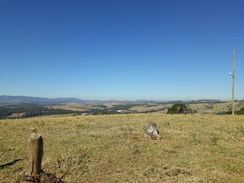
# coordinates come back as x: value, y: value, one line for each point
x: 121, y: 99
x: 121, y: 50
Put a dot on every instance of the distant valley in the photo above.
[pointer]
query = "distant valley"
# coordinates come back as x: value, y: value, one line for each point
x: 23, y: 106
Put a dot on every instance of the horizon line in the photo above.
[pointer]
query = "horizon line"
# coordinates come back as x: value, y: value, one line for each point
x: 113, y: 99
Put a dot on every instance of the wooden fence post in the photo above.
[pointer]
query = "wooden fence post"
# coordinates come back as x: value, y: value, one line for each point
x: 34, y: 172
x: 34, y: 155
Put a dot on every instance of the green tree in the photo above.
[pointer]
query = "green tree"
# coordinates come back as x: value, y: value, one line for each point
x: 178, y: 109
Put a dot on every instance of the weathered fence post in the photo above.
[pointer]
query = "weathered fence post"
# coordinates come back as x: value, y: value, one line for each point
x: 34, y: 155
x: 33, y: 171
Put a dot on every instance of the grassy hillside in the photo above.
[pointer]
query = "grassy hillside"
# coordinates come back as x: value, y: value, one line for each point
x: 112, y: 148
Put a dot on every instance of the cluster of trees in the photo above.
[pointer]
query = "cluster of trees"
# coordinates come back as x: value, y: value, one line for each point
x: 180, y: 109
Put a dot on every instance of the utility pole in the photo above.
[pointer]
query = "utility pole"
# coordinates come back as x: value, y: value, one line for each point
x: 233, y: 80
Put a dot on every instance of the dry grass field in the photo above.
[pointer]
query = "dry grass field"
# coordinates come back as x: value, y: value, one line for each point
x: 112, y: 148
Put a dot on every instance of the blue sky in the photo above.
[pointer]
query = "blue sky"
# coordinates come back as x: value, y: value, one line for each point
x: 121, y: 49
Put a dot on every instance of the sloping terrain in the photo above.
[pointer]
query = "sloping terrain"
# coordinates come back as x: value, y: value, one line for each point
x: 112, y: 148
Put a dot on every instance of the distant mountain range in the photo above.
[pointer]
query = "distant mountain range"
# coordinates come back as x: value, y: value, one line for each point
x: 5, y: 99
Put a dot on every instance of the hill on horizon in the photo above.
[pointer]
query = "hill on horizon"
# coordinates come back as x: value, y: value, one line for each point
x: 7, y: 99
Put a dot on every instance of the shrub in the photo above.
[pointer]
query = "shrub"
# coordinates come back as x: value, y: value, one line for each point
x: 178, y: 109
x: 241, y: 111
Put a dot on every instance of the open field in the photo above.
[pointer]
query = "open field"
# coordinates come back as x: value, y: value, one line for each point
x: 112, y: 148
x: 201, y: 108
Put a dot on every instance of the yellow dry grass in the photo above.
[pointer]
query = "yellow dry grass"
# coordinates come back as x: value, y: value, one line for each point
x: 112, y: 148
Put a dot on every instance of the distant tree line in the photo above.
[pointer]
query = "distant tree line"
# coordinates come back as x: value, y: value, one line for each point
x: 30, y: 110
x: 112, y: 110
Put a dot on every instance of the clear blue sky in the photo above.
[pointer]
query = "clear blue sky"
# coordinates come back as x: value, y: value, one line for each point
x: 121, y: 49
